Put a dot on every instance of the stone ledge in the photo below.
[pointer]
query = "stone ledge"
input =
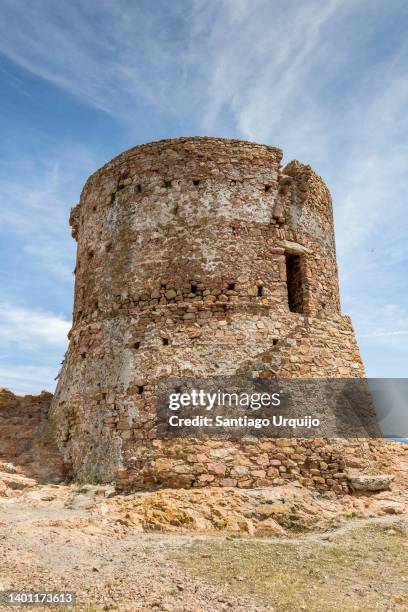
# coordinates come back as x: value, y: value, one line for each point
x: 364, y: 482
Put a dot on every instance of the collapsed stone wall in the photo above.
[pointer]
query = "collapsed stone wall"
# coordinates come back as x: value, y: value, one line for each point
x: 27, y: 442
x: 182, y: 270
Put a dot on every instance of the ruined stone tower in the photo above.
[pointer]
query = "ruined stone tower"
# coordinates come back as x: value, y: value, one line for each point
x: 196, y: 257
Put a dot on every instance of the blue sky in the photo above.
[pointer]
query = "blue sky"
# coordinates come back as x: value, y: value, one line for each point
x: 83, y: 80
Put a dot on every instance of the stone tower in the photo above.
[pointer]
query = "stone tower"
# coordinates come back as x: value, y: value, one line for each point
x: 196, y: 257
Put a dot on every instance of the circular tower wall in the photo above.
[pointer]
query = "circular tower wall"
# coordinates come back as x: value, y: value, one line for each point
x: 196, y: 257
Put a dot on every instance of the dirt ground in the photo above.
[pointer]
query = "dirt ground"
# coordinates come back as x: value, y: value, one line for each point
x: 53, y: 537
x: 283, y: 548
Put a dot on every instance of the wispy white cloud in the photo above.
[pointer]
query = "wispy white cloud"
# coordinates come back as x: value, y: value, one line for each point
x: 402, y: 332
x: 270, y: 71
x: 36, y: 197
x: 30, y: 330
x: 22, y: 379
x: 33, y: 342
x: 203, y: 60
x: 382, y: 329
x: 108, y: 54
x: 260, y: 59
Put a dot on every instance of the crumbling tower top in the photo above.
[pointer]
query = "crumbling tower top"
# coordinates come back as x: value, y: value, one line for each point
x: 207, y: 211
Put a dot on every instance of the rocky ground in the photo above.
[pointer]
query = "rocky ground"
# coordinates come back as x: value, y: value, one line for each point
x: 141, y: 553
x: 283, y: 548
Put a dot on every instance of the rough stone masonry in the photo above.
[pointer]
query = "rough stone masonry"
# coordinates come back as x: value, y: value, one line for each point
x: 199, y: 257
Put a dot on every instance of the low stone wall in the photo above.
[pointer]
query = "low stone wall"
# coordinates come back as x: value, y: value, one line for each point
x: 322, y: 464
x: 27, y: 444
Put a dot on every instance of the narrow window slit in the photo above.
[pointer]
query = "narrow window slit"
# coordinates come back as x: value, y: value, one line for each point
x: 165, y: 341
x: 260, y: 291
x: 140, y: 389
x: 267, y: 188
x: 136, y: 345
x: 194, y: 289
x: 295, y: 281
x: 231, y: 286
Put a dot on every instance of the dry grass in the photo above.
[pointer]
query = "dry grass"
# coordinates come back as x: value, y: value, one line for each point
x: 363, y: 568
